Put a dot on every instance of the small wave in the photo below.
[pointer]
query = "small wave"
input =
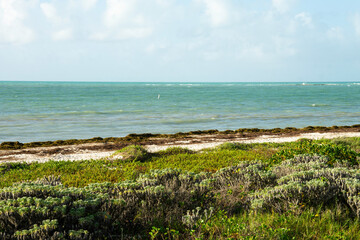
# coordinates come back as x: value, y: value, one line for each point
x: 158, y: 84
x: 248, y: 84
x: 88, y: 112
x: 75, y: 113
x: 192, y: 85
x: 267, y: 116
x: 184, y: 121
x: 319, y: 105
x: 323, y: 84
x: 114, y: 111
x: 72, y: 113
x: 104, y: 112
x: 267, y: 84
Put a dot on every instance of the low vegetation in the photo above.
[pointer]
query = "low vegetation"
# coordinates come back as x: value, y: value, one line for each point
x: 300, y: 190
x: 145, y: 138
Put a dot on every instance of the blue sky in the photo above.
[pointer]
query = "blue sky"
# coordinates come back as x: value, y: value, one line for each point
x: 180, y: 40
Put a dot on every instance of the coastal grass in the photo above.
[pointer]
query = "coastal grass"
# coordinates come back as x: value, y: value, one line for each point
x: 353, y: 142
x: 82, y: 173
x: 312, y: 223
x: 299, y: 190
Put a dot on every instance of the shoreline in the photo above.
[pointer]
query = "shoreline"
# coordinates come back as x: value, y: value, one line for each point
x: 260, y: 139
x: 95, y: 151
x: 149, y: 138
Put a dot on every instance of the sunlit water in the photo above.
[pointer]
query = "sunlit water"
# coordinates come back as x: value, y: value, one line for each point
x: 40, y: 111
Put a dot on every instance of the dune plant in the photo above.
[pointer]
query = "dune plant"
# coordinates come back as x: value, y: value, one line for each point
x: 334, y: 152
x: 174, y: 203
x: 131, y: 153
x: 309, y: 181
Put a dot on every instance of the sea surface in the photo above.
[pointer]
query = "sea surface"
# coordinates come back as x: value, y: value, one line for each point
x: 42, y: 111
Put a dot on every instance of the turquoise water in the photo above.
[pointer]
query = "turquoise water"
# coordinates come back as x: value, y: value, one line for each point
x: 40, y: 111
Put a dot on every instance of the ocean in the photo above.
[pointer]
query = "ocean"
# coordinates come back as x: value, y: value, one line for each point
x: 43, y: 111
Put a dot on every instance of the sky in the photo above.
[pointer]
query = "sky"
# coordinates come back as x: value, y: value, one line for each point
x: 180, y: 40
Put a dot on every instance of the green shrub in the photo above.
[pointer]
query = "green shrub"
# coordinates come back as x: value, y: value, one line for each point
x: 301, y: 162
x: 235, y: 146
x: 302, y: 182
x: 12, y: 166
x: 174, y: 151
x: 169, y: 202
x: 100, y: 210
x: 132, y: 153
x: 335, y: 153
x: 353, y: 143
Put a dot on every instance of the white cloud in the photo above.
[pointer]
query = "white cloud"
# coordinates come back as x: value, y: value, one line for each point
x: 50, y: 12
x: 64, y: 34
x: 356, y: 22
x: 117, y: 11
x: 99, y: 36
x: 211, y: 55
x: 60, y: 23
x: 123, y: 33
x: 217, y: 12
x: 152, y: 48
x: 122, y: 20
x: 164, y: 3
x: 282, y: 5
x: 12, y: 28
x: 253, y: 52
x: 133, y: 33
x: 284, y: 46
x: 88, y: 4
x: 305, y: 19
x: 335, y: 33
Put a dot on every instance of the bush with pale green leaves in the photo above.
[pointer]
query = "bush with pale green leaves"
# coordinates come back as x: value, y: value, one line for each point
x: 178, y: 204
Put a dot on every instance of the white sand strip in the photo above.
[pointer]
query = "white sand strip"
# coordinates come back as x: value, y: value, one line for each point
x: 28, y: 158
x: 261, y: 139
x: 88, y: 155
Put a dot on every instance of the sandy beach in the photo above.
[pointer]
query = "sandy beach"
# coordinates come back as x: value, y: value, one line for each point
x: 105, y: 150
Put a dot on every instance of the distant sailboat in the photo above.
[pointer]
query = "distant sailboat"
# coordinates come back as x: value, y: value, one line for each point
x: 158, y: 96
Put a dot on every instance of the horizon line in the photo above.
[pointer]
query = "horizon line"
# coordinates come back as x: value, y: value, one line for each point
x: 105, y: 81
